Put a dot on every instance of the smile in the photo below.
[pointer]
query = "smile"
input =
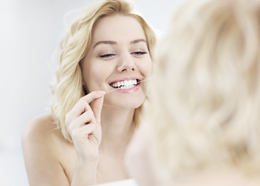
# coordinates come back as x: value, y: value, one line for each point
x: 125, y: 84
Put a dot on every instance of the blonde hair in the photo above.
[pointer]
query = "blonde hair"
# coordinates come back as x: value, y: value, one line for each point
x: 68, y: 89
x: 205, y: 108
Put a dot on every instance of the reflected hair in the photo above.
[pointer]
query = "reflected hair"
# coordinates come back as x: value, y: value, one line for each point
x: 68, y: 89
x: 207, y: 110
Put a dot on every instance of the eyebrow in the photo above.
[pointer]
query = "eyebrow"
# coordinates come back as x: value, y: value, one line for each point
x: 137, y: 41
x: 115, y: 43
x: 105, y: 42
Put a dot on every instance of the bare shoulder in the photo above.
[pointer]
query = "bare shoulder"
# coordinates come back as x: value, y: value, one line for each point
x: 42, y: 149
x: 42, y: 130
x: 41, y: 127
x: 42, y: 134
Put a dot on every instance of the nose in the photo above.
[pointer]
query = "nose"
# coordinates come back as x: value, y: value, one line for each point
x: 126, y: 63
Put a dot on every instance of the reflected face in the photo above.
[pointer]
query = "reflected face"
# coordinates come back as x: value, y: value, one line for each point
x: 118, y: 60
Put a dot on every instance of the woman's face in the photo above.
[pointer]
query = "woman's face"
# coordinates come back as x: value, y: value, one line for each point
x: 118, y: 60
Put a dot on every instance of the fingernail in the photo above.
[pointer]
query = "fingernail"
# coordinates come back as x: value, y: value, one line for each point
x: 101, y: 92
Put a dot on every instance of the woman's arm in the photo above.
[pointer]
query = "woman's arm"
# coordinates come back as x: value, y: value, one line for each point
x: 83, y: 123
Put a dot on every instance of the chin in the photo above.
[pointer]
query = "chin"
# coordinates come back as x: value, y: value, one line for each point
x: 130, y: 103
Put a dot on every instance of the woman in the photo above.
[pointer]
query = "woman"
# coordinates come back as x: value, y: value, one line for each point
x: 105, y: 56
x: 203, y: 123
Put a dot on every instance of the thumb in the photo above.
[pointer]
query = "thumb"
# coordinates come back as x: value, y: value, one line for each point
x: 97, y: 108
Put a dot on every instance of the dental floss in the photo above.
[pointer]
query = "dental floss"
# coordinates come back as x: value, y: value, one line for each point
x: 101, y: 180
x: 119, y: 88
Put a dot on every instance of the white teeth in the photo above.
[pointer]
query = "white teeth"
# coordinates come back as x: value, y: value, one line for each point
x: 126, y: 84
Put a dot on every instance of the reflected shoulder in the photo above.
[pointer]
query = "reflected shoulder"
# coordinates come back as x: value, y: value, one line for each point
x: 42, y: 129
x: 43, y: 151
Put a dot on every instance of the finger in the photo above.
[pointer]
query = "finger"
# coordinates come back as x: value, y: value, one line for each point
x: 97, y: 108
x: 82, y: 120
x: 93, y: 95
x: 89, y: 129
x: 80, y: 107
x: 83, y: 131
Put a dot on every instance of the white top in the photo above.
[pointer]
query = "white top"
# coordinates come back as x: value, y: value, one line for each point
x: 128, y: 182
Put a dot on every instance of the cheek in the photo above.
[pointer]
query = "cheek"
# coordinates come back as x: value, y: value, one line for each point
x: 91, y: 74
x: 147, y: 72
x: 146, y: 67
x: 95, y: 75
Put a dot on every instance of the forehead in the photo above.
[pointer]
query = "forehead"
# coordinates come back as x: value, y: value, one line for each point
x: 117, y: 28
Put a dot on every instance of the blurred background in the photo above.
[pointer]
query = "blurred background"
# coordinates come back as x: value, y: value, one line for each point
x: 30, y: 31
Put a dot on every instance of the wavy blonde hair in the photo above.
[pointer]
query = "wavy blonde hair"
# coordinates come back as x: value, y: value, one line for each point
x: 68, y: 89
x: 205, y: 108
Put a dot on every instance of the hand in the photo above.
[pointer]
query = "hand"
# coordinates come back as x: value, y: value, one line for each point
x: 83, y: 123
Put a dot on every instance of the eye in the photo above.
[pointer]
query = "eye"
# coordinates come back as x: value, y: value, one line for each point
x: 107, y: 55
x: 139, y: 53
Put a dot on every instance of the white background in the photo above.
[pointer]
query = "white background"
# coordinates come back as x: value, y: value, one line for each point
x: 29, y: 33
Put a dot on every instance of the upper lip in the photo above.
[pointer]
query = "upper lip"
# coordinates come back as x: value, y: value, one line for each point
x: 126, y: 78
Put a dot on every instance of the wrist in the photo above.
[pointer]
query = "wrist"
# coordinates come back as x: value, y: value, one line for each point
x: 84, y: 163
x: 85, y: 173
x: 87, y: 168
x: 87, y: 159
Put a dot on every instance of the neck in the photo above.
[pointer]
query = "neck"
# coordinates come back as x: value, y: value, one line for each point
x: 117, y: 129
